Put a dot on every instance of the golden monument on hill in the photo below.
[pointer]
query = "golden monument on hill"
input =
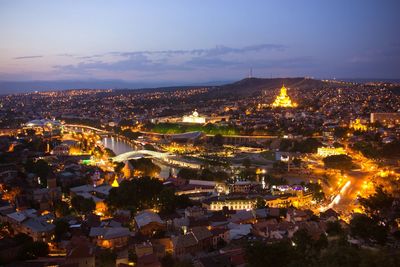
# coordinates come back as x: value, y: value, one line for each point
x: 283, y: 100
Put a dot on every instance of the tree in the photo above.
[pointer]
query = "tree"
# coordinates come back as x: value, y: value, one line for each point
x: 218, y: 140
x: 378, y: 205
x: 41, y: 168
x: 366, y: 228
x: 340, y: 132
x: 33, y: 249
x: 334, y: 228
x: 61, y: 208
x: 145, y: 167
x: 167, y: 200
x: 187, y: 174
x: 340, y: 162
x: 260, y: 203
x: 106, y: 258
x: 310, y: 145
x: 207, y: 175
x: 61, y: 228
x: 278, y: 254
x: 316, y: 189
x: 118, y: 166
x: 246, y: 163
x: 167, y: 261
x: 136, y: 194
x: 83, y: 205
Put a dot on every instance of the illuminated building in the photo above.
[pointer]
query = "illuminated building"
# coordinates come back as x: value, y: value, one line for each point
x: 358, y: 126
x: 297, y: 200
x: 44, y: 127
x: 330, y: 151
x: 283, y: 100
x: 115, y: 183
x: 194, y: 118
x: 386, y: 118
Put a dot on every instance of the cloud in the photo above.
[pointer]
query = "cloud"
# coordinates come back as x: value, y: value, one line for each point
x: 170, y: 60
x: 27, y: 57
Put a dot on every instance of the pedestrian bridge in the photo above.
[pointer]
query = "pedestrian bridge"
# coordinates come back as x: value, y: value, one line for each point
x: 141, y: 154
x: 167, y: 158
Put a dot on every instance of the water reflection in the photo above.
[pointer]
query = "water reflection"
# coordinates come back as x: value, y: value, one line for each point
x: 117, y: 145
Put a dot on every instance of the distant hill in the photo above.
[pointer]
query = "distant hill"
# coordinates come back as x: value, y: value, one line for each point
x: 16, y: 87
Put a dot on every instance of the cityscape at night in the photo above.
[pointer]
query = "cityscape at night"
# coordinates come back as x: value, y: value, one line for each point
x: 199, y: 133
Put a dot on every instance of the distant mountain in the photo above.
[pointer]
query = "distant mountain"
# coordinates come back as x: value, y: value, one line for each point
x: 14, y: 87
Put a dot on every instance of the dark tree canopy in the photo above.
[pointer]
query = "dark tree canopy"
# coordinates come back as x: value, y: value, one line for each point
x: 340, y: 162
x: 145, y: 167
x: 83, y: 205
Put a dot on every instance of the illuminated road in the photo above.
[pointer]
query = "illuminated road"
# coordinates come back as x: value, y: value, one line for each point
x: 352, y: 184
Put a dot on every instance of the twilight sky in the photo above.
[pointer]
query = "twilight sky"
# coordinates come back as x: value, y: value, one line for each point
x: 195, y: 41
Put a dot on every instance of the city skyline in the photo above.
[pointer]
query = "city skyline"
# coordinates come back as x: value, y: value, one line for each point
x: 178, y: 42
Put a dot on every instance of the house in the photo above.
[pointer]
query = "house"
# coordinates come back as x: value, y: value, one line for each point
x: 150, y: 260
x: 295, y: 215
x: 329, y: 215
x: 273, y: 230
x: 80, y: 253
x: 110, y: 237
x: 197, y: 239
x: 219, y: 235
x: 194, y: 212
x: 149, y: 222
x: 243, y: 216
x: 39, y: 227
x: 142, y: 249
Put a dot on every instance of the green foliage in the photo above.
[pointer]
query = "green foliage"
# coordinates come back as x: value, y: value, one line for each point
x: 61, y: 229
x: 175, y: 128
x: 391, y: 150
x: 109, y: 153
x: 61, y: 208
x: 106, y: 258
x: 33, y: 249
x: 366, y: 228
x: 41, y: 168
x: 146, y: 167
x: 340, y: 162
x: 271, y: 180
x: 334, y: 228
x: 83, y: 205
x: 378, y: 205
x: 340, y: 132
x: 129, y: 134
x: 187, y: 174
x: 316, y: 189
x: 149, y: 147
x: 218, y: 140
x: 278, y: 254
x: 260, y: 203
x: 118, y: 166
x: 366, y: 149
x: 136, y: 194
x: 145, y: 193
x: 167, y: 200
x: 280, y: 166
x: 310, y: 145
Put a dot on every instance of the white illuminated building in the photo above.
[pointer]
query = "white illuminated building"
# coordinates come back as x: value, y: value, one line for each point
x: 194, y: 118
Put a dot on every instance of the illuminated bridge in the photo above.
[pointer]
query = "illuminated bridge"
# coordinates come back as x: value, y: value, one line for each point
x: 141, y: 154
x: 165, y: 157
